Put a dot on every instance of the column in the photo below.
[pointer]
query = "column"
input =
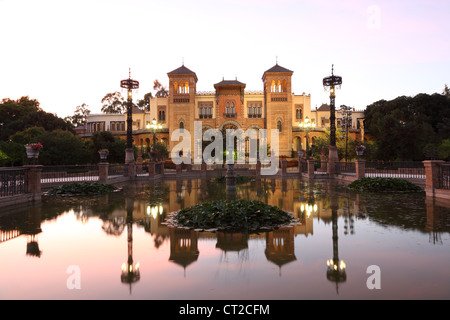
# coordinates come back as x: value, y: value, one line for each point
x: 432, y: 171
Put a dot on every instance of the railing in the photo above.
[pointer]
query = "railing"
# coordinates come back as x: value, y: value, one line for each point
x: 116, y: 170
x: 345, y: 168
x: 444, y: 177
x: 69, y: 173
x: 13, y: 181
x: 229, y: 115
x: 395, y: 169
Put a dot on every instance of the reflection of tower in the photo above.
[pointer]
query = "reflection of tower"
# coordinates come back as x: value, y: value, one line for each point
x: 130, y: 272
x: 232, y: 241
x: 183, y: 246
x: 280, y: 246
x: 336, y: 269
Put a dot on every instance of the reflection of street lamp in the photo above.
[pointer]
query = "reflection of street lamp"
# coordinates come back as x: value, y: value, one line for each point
x: 130, y: 272
x: 346, y: 123
x: 335, y: 267
x: 307, y: 126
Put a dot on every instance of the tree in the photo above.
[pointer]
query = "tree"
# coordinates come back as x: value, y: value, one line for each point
x: 161, y: 91
x: 106, y: 140
x: 446, y: 92
x: 18, y: 115
x: 405, y: 127
x: 60, y: 147
x: 113, y: 103
x: 80, y: 115
x: 144, y: 104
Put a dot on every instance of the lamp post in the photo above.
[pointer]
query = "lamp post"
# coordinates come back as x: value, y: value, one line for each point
x: 307, y: 126
x: 129, y: 84
x: 154, y: 126
x: 332, y: 83
x: 346, y: 123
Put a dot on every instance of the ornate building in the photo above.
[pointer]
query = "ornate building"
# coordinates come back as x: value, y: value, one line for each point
x: 228, y: 106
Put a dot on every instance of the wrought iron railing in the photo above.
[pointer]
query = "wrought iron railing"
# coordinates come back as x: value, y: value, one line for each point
x: 116, y: 169
x: 69, y: 173
x: 345, y: 168
x: 13, y: 181
x: 395, y: 169
x: 444, y: 177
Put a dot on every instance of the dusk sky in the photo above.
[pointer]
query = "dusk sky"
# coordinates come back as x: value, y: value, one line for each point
x: 65, y: 53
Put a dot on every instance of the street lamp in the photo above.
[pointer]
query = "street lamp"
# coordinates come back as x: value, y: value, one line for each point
x: 346, y: 123
x: 332, y: 82
x: 307, y: 126
x: 154, y: 126
x: 129, y: 84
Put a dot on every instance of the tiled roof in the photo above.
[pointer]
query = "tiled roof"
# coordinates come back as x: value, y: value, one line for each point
x: 277, y: 68
x: 183, y: 70
x: 324, y: 107
x: 229, y: 82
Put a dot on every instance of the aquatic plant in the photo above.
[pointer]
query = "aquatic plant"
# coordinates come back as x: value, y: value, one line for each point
x: 232, y: 215
x: 82, y: 188
x: 380, y: 184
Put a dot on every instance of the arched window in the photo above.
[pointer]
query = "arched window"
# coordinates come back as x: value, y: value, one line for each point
x: 272, y: 86
x: 278, y: 86
x: 210, y: 111
x: 175, y: 87
x: 228, y: 108
x: 233, y: 110
x: 279, y: 125
x: 200, y: 111
x: 181, y: 126
x: 186, y: 87
x: 284, y: 86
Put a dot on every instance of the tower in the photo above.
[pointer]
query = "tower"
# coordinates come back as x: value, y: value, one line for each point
x: 278, y: 105
x: 181, y: 105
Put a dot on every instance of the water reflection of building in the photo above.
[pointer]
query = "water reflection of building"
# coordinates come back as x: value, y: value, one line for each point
x: 183, y: 246
x: 27, y: 222
x: 280, y: 246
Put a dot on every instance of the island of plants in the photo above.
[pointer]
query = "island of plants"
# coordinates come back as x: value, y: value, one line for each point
x: 232, y: 215
x: 82, y: 189
x: 380, y: 184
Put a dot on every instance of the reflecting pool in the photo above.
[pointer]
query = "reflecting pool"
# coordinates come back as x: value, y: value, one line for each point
x: 117, y: 246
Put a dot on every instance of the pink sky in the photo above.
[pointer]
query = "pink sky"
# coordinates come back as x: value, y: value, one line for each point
x: 73, y: 52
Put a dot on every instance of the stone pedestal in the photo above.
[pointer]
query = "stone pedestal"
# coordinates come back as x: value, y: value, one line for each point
x: 332, y: 159
x: 310, y: 168
x: 129, y: 163
x: 34, y: 181
x: 283, y: 166
x: 431, y: 175
x: 360, y: 168
x: 230, y: 178
x: 103, y: 168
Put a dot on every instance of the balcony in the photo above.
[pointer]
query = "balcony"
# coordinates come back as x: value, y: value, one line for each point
x: 229, y: 115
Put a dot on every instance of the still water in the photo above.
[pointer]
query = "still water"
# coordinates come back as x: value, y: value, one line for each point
x: 393, y: 246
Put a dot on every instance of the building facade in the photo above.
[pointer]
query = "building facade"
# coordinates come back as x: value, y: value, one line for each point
x: 229, y: 106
